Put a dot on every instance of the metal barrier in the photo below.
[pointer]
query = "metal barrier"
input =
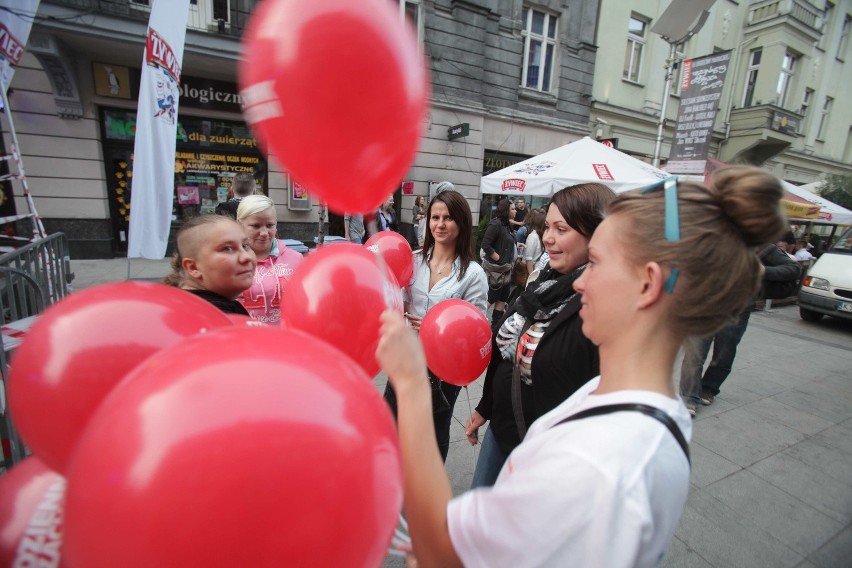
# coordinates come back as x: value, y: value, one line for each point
x: 31, y: 278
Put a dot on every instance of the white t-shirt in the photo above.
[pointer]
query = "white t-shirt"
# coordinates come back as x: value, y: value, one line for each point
x: 533, y: 249
x: 803, y: 254
x: 603, y: 491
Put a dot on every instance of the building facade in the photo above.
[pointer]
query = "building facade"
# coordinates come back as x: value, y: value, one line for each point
x: 781, y: 106
x: 518, y: 75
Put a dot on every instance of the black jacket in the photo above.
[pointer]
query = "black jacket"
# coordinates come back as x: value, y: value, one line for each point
x: 781, y: 273
x: 498, y: 237
x: 564, y: 361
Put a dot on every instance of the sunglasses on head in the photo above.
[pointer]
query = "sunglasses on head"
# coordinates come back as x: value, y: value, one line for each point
x: 672, y: 219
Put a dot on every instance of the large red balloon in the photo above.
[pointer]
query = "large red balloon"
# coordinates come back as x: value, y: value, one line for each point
x: 241, y: 447
x: 456, y: 340
x: 84, y: 345
x: 396, y: 252
x: 31, y: 504
x: 337, y: 90
x: 338, y: 294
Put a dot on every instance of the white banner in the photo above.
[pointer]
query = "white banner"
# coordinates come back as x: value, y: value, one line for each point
x: 16, y: 19
x: 152, y: 190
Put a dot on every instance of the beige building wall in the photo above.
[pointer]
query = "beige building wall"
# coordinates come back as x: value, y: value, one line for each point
x: 811, y: 30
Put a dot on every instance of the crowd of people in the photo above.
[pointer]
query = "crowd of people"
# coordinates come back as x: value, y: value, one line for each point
x: 588, y: 433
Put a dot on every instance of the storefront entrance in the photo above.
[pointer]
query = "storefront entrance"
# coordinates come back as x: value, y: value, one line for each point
x: 209, y: 154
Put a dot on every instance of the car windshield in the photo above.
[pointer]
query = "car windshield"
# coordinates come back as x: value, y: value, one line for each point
x: 844, y: 243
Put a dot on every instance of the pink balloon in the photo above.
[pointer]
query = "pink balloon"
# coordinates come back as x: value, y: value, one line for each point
x: 31, y: 515
x: 81, y: 347
x: 396, y: 252
x: 337, y: 90
x: 456, y: 340
x: 240, y: 447
x: 337, y: 294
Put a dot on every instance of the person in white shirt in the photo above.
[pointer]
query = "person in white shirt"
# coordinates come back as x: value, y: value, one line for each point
x: 803, y: 250
x: 444, y: 268
x: 608, y: 489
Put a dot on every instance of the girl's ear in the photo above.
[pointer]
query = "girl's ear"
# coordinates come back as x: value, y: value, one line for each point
x: 191, y: 267
x: 653, y: 282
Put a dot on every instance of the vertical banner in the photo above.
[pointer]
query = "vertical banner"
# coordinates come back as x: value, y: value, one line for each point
x: 152, y: 191
x: 16, y: 19
x: 700, y: 90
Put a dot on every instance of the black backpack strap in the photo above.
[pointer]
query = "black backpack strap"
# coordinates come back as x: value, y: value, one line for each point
x: 646, y: 409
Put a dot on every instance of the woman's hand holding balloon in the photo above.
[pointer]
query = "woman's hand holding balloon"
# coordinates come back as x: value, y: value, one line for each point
x: 401, y: 356
x: 471, y: 428
x: 413, y: 321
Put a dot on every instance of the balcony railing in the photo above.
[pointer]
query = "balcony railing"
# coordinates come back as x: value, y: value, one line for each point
x: 203, y: 16
x: 793, y: 11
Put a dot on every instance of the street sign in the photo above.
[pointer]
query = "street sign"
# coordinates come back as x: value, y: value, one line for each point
x: 458, y: 131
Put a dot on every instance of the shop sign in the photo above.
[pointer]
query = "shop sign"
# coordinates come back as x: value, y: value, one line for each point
x: 191, y: 131
x: 118, y: 81
x: 785, y: 122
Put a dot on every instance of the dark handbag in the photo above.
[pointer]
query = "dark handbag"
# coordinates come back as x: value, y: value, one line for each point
x: 498, y: 274
x: 520, y: 274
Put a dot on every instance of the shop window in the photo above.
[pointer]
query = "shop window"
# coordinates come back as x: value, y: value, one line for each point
x: 209, y: 153
x: 637, y: 30
x: 539, y: 49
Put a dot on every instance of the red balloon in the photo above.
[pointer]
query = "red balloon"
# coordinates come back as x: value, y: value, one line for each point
x: 456, y: 340
x: 337, y: 294
x: 31, y: 504
x: 244, y: 321
x: 81, y: 347
x: 337, y: 90
x: 240, y: 447
x: 396, y: 252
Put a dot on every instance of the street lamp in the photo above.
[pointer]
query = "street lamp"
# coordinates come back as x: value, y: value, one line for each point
x: 679, y: 22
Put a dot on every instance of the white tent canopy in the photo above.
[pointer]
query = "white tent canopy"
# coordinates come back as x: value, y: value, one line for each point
x: 830, y: 212
x: 583, y: 161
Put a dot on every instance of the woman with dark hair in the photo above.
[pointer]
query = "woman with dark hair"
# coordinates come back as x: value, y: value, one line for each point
x: 444, y: 268
x: 602, y: 479
x: 539, y: 350
x: 533, y: 246
x: 498, y: 244
x: 214, y: 260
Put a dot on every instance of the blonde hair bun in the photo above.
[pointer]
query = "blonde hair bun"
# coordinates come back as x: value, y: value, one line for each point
x: 745, y: 194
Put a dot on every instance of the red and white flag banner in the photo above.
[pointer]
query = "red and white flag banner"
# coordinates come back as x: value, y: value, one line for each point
x: 16, y: 19
x: 152, y: 191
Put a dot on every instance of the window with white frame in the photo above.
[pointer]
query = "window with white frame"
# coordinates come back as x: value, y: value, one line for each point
x: 751, y: 76
x: 844, y: 38
x: 539, y: 49
x: 788, y: 70
x: 827, y: 16
x: 411, y: 10
x: 206, y: 13
x: 806, y: 102
x: 823, y: 119
x: 637, y: 31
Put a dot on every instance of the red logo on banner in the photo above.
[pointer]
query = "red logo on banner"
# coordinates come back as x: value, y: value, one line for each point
x: 159, y: 53
x: 10, y: 47
x: 603, y: 172
x: 687, y: 75
x: 607, y: 143
x: 514, y: 183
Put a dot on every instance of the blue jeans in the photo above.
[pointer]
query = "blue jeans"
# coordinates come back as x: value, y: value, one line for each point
x: 724, y: 350
x: 490, y: 462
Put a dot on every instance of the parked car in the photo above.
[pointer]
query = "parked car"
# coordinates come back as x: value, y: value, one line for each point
x: 827, y: 288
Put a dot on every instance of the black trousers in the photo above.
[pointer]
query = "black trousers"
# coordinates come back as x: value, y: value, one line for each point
x: 442, y: 419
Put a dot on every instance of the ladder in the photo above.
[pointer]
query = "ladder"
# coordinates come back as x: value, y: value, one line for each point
x: 20, y: 174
